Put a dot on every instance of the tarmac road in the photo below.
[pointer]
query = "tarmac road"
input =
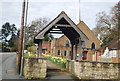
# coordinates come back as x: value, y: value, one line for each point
x: 9, y: 70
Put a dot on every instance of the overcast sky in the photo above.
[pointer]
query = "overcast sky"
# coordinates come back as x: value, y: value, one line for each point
x: 11, y: 10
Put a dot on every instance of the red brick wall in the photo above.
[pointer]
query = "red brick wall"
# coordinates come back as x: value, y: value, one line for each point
x: 47, y: 46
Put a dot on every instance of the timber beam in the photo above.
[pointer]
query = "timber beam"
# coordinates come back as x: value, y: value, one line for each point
x: 62, y: 25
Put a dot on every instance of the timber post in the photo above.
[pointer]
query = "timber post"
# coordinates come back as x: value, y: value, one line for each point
x: 40, y: 47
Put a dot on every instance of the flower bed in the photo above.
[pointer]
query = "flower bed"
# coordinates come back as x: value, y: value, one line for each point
x: 57, y: 60
x: 29, y: 54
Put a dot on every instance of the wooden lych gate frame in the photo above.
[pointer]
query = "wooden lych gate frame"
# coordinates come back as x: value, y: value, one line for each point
x: 62, y: 24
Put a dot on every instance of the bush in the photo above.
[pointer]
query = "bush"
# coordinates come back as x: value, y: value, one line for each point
x: 31, y: 49
x: 28, y: 45
x: 5, y: 49
x: 29, y: 54
x: 12, y: 49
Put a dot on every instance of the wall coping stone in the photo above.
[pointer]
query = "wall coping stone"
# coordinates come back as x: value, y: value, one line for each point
x: 35, y: 58
x: 92, y: 62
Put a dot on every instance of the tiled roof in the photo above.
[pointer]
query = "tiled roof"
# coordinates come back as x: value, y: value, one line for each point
x: 113, y: 44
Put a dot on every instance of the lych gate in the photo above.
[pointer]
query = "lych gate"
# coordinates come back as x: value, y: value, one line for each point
x: 62, y: 24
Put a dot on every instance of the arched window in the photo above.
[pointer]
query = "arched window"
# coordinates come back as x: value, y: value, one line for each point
x: 93, y: 45
x: 58, y: 52
x: 67, y: 43
x: 65, y: 53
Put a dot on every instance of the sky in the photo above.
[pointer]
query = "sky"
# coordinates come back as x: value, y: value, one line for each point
x: 10, y: 10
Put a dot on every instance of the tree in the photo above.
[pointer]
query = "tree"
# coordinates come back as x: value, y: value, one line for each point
x: 18, y: 32
x: 13, y: 31
x: 116, y: 19
x: 8, y: 30
x: 10, y: 36
x: 108, y: 25
x: 48, y: 37
x: 34, y: 27
x: 5, y: 31
x: 116, y: 15
x: 13, y: 43
x: 103, y: 25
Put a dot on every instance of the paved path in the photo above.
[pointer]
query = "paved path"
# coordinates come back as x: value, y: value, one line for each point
x: 51, y: 65
x: 9, y: 70
x: 57, y: 72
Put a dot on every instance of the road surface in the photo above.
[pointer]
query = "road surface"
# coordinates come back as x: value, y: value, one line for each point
x: 9, y: 70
